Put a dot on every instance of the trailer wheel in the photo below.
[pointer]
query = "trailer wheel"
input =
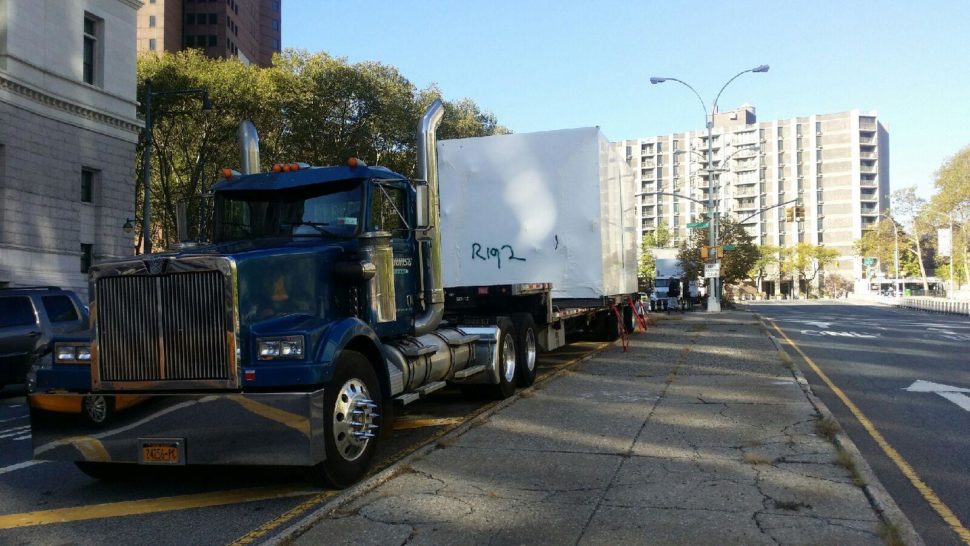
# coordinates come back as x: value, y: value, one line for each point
x: 507, y: 361
x: 351, y: 418
x: 527, y: 349
x: 606, y: 326
x: 628, y: 322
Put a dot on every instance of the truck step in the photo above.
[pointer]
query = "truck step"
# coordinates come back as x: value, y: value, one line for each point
x: 465, y: 340
x: 468, y: 372
x: 419, y: 393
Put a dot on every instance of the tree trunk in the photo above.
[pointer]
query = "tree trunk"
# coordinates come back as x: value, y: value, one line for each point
x: 922, y: 268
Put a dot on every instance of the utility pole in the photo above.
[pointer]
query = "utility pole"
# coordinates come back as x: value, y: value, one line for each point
x: 713, y: 293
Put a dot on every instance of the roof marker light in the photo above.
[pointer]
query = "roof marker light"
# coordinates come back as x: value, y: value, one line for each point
x: 277, y: 167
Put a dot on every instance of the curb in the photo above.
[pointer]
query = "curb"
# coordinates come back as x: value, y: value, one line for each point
x: 360, y: 489
x: 880, y: 499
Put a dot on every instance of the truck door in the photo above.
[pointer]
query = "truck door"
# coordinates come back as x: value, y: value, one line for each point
x: 391, y: 208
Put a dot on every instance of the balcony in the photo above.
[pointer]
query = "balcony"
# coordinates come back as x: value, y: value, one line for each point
x: 867, y: 139
x: 867, y: 123
x: 868, y: 155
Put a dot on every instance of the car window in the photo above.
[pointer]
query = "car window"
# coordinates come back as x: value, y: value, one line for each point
x: 16, y: 311
x: 60, y: 308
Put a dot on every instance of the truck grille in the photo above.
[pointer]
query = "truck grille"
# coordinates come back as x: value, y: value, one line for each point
x: 164, y: 328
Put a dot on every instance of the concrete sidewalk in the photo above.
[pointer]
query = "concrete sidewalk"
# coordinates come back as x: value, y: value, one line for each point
x: 699, y: 434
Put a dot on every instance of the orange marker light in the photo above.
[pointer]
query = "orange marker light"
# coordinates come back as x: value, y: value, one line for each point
x: 277, y: 168
x: 294, y: 166
x: 352, y: 162
x: 226, y: 173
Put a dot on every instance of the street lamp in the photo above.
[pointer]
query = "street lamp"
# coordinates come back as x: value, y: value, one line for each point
x: 713, y: 301
x: 146, y: 155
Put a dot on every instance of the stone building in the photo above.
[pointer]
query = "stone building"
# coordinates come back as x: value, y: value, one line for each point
x: 68, y: 131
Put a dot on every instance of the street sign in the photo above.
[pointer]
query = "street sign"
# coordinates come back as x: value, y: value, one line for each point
x: 698, y: 225
x: 730, y: 247
x: 712, y: 271
x: 868, y: 261
x: 944, y: 242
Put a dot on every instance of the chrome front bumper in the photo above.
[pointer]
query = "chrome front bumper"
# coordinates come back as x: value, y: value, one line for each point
x: 218, y: 429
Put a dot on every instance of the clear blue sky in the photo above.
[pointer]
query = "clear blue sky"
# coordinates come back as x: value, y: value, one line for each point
x: 540, y: 65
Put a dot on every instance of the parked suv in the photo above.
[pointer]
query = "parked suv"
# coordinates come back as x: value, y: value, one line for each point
x: 29, y: 318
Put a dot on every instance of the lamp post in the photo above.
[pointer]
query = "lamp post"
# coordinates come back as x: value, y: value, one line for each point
x: 713, y: 301
x: 146, y: 154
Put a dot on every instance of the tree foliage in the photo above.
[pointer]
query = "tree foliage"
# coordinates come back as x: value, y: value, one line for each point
x: 307, y: 107
x: 736, y: 263
x: 805, y: 260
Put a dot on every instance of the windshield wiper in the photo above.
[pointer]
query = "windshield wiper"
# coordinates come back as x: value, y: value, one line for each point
x: 319, y: 226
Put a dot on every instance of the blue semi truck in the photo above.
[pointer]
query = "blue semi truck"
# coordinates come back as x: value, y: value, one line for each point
x: 317, y: 308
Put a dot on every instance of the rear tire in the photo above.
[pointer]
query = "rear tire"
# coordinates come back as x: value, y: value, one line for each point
x: 507, y: 362
x: 526, y: 349
x: 353, y: 406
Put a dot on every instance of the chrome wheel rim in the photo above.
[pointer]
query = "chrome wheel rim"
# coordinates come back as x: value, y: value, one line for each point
x: 508, y: 358
x: 530, y: 350
x: 354, y: 416
x: 96, y: 408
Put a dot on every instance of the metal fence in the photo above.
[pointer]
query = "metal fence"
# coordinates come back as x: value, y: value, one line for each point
x: 936, y: 305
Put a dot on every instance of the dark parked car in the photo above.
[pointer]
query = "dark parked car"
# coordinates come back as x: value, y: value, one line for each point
x: 29, y: 318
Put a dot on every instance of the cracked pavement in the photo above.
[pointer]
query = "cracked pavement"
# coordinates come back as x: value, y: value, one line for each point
x: 698, y: 434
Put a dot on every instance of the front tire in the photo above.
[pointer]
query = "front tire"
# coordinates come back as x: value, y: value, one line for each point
x: 352, y: 417
x: 97, y: 409
x: 527, y: 349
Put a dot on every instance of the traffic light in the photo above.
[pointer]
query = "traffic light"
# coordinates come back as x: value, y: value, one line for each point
x: 789, y: 214
x: 720, y: 252
x: 705, y: 252
x: 799, y: 213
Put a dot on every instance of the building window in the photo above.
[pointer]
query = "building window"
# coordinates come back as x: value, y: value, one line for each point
x: 213, y: 40
x: 92, y: 50
x: 151, y: 21
x: 88, y: 177
x: 276, y: 24
x: 152, y: 44
x: 85, y: 257
x: 213, y: 18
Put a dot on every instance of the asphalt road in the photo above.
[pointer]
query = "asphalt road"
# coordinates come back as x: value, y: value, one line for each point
x: 54, y: 503
x: 874, y: 354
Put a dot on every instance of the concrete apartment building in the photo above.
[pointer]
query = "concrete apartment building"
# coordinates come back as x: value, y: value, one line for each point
x: 837, y: 165
x: 246, y: 29
x: 68, y: 131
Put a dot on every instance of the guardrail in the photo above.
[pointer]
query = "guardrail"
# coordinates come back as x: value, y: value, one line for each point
x: 936, y: 305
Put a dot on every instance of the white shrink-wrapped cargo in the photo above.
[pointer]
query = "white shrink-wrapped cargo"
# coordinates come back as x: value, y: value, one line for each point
x: 549, y: 207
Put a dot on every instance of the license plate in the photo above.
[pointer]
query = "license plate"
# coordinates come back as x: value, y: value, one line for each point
x: 162, y: 451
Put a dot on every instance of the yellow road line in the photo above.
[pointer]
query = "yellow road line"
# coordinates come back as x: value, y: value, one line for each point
x: 403, y: 424
x: 148, y: 506
x: 297, y: 510
x: 934, y: 501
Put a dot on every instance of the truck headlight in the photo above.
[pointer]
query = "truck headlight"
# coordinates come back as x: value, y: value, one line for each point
x: 278, y: 348
x: 72, y: 353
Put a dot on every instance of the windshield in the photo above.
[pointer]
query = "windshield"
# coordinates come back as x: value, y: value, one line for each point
x: 332, y: 210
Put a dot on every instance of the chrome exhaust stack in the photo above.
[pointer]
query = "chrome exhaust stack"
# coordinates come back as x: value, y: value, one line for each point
x: 429, y: 221
x: 248, y: 147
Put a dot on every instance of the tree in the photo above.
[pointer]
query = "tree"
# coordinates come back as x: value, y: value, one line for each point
x: 836, y: 285
x: 307, y: 107
x: 658, y: 238
x: 805, y: 260
x: 647, y: 266
x: 878, y: 242
x: 909, y: 207
x: 768, y: 255
x: 953, y: 198
x: 689, y: 254
x: 736, y: 263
